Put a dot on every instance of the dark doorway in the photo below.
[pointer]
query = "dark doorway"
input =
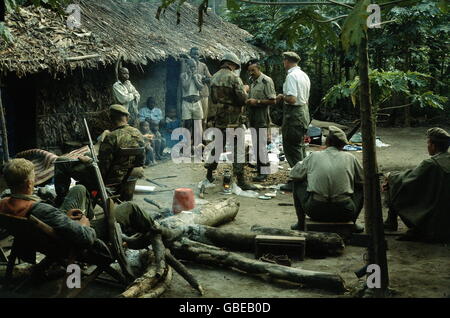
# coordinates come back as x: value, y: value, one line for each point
x: 20, y: 112
x: 172, y: 89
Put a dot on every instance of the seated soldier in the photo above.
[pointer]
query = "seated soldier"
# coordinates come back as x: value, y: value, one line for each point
x: 148, y: 139
x: 112, y: 166
x: 70, y: 221
x: 328, y: 184
x: 159, y: 143
x: 421, y: 196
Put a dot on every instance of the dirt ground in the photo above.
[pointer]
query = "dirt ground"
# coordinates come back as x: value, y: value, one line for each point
x: 415, y: 269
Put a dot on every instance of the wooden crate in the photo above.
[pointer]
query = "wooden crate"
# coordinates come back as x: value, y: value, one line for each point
x: 280, y: 245
x: 344, y: 229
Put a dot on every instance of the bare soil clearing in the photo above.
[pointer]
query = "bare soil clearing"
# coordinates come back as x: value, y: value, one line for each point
x: 416, y: 269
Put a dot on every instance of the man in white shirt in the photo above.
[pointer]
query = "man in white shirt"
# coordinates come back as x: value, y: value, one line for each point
x: 295, y: 111
x: 127, y: 95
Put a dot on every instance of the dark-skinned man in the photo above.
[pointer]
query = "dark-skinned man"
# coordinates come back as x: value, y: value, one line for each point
x: 328, y: 184
x: 421, y: 196
x: 295, y: 111
x: 203, y: 70
x: 192, y: 111
x: 70, y: 221
x: 127, y: 95
x: 229, y: 94
x: 113, y: 167
x: 261, y: 95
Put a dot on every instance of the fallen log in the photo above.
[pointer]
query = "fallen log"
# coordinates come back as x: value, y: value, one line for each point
x: 183, y: 271
x: 149, y: 284
x: 318, y: 244
x: 212, y: 214
x: 159, y: 250
x: 161, y: 286
x: 235, y: 240
x: 211, y: 255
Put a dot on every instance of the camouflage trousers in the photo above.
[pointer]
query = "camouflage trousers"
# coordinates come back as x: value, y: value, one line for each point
x: 238, y: 168
x: 129, y: 215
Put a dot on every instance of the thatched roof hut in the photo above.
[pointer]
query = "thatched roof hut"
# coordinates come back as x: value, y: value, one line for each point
x: 56, y: 75
x: 110, y: 28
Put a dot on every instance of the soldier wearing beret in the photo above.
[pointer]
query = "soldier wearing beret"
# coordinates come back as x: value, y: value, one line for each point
x: 295, y: 111
x: 112, y: 166
x: 420, y: 196
x: 328, y: 184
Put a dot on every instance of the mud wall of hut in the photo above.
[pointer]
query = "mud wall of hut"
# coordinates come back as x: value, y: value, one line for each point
x: 62, y: 104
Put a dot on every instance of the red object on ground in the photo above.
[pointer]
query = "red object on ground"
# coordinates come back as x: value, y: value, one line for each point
x: 183, y: 200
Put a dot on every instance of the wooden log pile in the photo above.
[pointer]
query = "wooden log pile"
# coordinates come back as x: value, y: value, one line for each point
x: 202, y: 243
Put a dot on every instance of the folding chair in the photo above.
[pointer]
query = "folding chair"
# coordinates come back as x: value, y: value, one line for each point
x: 31, y: 235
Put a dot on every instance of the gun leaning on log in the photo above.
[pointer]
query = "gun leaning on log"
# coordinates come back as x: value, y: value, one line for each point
x: 114, y: 231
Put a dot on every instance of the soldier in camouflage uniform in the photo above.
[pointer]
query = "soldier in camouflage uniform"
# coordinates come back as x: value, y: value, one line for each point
x: 229, y: 95
x: 112, y: 166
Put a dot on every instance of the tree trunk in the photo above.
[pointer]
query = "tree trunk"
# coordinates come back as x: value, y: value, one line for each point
x: 372, y: 197
x: 212, y: 214
x: 211, y: 255
x: 4, y: 131
x: 317, y: 244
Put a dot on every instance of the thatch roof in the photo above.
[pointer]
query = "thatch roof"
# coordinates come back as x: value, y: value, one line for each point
x: 110, y: 28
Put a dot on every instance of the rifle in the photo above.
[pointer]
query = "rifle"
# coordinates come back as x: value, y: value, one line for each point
x: 114, y: 231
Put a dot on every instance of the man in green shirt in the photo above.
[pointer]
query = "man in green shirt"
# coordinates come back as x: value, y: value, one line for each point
x: 328, y: 184
x: 112, y: 165
x: 261, y: 95
x: 421, y: 196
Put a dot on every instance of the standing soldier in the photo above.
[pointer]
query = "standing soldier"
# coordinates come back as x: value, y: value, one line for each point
x: 202, y: 69
x: 295, y: 111
x: 229, y: 94
x: 261, y: 95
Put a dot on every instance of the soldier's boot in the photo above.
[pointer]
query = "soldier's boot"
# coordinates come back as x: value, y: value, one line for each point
x: 260, y: 178
x: 209, y: 175
x: 243, y: 184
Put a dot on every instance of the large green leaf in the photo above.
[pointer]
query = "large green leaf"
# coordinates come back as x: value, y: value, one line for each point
x: 305, y: 20
x: 355, y: 25
x: 384, y: 85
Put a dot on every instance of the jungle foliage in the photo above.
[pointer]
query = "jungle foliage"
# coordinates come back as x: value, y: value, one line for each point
x: 412, y: 39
